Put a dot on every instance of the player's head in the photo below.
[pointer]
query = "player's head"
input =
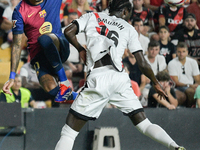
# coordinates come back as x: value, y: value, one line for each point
x: 137, y: 23
x: 72, y: 16
x: 153, y: 49
x: 164, y: 33
x: 17, y: 83
x: 137, y: 4
x: 181, y: 50
x: 190, y: 22
x: 164, y: 78
x: 120, y: 6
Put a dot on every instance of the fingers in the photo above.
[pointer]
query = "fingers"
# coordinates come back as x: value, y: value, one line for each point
x: 6, y: 88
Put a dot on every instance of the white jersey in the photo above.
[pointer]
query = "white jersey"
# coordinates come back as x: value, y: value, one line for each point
x: 107, y: 35
x: 190, y: 68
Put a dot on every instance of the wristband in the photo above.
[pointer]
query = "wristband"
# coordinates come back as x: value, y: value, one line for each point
x: 12, y: 75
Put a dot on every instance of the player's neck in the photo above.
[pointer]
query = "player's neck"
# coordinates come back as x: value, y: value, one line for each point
x: 117, y: 14
x: 138, y: 10
x: 182, y: 61
x: 151, y: 59
x: 35, y: 2
x: 16, y: 92
x: 164, y: 42
x: 191, y: 33
x: 173, y: 8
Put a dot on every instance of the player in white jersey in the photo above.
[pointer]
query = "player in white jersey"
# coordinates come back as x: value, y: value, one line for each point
x: 107, y: 38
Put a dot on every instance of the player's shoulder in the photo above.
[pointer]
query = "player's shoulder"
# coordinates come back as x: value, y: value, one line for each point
x: 164, y: 6
x: 20, y: 4
x: 160, y: 57
x: 173, y: 62
x: 87, y: 15
x: 191, y: 60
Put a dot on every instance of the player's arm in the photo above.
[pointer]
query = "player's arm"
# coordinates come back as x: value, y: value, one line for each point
x: 163, y: 102
x: 70, y: 34
x: 147, y: 71
x: 15, y: 57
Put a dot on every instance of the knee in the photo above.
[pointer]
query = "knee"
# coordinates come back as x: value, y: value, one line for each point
x: 45, y: 41
x: 190, y: 91
x: 143, y: 126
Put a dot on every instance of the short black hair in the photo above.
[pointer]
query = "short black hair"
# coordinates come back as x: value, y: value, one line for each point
x: 153, y: 43
x: 136, y: 19
x: 182, y: 45
x: 163, y: 76
x: 118, y: 5
x: 164, y: 27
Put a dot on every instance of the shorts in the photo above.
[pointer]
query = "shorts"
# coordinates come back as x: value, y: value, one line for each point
x: 182, y: 88
x: 41, y: 63
x: 105, y: 85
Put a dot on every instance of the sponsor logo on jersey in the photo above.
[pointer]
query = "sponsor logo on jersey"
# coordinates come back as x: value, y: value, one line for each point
x: 172, y: 21
x: 30, y: 15
x: 14, y: 23
x: 43, y: 13
x: 45, y: 28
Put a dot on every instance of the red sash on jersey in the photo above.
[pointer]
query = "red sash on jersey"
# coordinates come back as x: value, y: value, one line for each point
x: 143, y: 15
x: 100, y: 30
x: 178, y: 17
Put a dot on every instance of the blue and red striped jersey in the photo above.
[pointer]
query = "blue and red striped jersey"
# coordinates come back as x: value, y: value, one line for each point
x: 35, y: 20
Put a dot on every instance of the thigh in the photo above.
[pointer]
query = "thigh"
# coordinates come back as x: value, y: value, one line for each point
x: 92, y: 98
x: 123, y: 96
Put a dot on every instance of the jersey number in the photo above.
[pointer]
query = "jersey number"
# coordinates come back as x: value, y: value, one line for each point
x: 113, y: 35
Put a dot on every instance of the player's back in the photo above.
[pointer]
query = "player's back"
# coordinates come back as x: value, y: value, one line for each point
x: 107, y: 34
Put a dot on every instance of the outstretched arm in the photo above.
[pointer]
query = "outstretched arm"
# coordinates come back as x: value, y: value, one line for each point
x: 70, y: 34
x: 147, y: 71
x: 15, y: 57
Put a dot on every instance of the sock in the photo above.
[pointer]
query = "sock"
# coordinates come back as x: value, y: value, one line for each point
x: 67, y: 138
x: 53, y: 56
x: 156, y: 133
x: 54, y: 91
x: 73, y: 95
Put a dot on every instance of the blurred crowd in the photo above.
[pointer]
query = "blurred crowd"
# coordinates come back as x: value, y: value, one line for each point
x: 170, y: 38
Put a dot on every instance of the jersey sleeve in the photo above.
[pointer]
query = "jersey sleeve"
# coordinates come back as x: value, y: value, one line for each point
x: 17, y: 21
x: 195, y: 68
x: 161, y: 12
x: 172, y: 70
x: 6, y: 13
x: 83, y: 20
x: 133, y: 43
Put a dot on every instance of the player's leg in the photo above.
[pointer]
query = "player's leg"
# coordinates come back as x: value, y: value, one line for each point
x: 82, y: 110
x: 153, y: 131
x: 51, y: 47
x: 132, y: 107
x: 69, y: 132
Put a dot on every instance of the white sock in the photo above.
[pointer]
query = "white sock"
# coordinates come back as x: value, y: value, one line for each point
x: 67, y: 138
x: 156, y: 133
x: 65, y: 82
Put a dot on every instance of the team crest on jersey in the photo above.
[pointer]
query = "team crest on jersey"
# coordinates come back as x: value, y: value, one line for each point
x: 45, y: 28
x: 43, y: 13
x: 14, y: 23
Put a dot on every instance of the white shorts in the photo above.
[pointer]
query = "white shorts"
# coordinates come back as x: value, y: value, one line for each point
x: 106, y: 85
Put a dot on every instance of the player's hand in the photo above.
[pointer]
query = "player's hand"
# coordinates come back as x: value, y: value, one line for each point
x: 171, y: 107
x: 7, y: 86
x: 160, y: 91
x: 83, y: 55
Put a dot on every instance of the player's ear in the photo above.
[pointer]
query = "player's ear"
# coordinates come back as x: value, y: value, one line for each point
x: 124, y: 13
